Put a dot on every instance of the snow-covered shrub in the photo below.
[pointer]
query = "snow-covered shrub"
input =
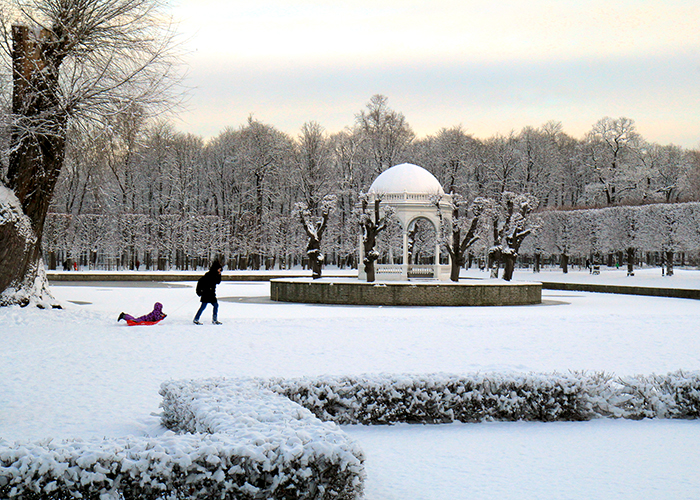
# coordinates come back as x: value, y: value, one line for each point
x: 667, y: 227
x: 385, y: 399
x: 235, y: 440
x: 277, y: 445
x: 248, y: 439
x: 676, y: 395
x: 442, y: 398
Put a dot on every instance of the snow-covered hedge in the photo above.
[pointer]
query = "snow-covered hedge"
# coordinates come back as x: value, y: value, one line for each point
x: 234, y: 440
x: 385, y: 399
x: 248, y: 439
x: 277, y: 445
x: 668, y: 227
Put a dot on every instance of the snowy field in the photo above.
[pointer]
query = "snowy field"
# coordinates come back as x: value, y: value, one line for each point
x: 77, y: 373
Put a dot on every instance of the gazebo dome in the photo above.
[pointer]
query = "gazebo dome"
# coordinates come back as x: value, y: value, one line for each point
x: 406, y: 178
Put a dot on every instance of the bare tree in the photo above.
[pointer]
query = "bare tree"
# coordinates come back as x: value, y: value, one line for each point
x: 71, y: 61
x: 79, y: 187
x: 371, y: 225
x: 666, y: 168
x: 313, y: 162
x: 314, y: 227
x: 612, y: 149
x: 511, y: 225
x: 454, y: 153
x: 464, y: 231
x: 503, y: 162
x: 265, y: 153
x: 385, y: 133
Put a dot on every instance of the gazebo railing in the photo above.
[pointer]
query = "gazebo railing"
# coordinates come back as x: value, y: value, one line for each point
x: 388, y: 197
x: 388, y: 269
x: 421, y: 271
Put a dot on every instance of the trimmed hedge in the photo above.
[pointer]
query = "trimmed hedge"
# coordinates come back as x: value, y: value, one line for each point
x: 235, y: 441
x: 259, y: 439
x: 443, y: 398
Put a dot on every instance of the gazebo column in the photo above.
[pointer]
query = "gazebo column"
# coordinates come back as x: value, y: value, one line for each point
x: 404, y: 263
x: 436, y: 271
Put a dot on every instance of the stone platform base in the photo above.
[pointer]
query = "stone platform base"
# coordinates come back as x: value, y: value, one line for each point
x: 355, y: 292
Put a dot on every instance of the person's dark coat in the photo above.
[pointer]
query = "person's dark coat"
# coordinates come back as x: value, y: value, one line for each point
x: 208, y: 283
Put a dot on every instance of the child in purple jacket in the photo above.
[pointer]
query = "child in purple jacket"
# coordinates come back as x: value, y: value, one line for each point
x: 156, y: 315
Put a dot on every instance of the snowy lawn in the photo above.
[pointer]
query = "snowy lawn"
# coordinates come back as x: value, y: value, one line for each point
x: 77, y: 373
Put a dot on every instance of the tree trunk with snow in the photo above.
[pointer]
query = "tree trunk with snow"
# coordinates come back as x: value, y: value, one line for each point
x: 371, y: 227
x: 314, y: 230
x: 509, y: 259
x: 36, y: 158
x: 509, y: 234
x: 494, y: 261
x: 117, y: 56
x: 458, y: 245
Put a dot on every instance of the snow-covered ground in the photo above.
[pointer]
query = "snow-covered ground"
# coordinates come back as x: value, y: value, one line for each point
x: 77, y: 373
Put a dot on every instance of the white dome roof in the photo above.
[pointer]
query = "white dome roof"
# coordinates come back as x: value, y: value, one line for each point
x: 406, y: 178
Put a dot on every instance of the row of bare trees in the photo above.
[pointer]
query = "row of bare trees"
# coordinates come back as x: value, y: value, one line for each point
x: 264, y: 179
x: 130, y: 167
x: 667, y: 232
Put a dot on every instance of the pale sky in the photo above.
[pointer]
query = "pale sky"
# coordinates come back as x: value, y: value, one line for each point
x: 491, y: 66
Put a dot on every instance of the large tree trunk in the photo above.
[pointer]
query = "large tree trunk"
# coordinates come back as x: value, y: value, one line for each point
x: 455, y: 260
x: 508, y: 266
x: 369, y: 270
x: 36, y: 159
x: 669, y: 263
x: 564, y: 263
x: 454, y: 271
x: 316, y: 259
x: 630, y: 262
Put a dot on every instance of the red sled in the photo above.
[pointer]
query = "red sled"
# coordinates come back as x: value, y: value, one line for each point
x: 130, y: 322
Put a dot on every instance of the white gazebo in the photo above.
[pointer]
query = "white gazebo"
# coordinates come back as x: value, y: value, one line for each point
x: 412, y: 192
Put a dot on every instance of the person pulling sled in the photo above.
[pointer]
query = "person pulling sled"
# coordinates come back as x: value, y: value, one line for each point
x: 206, y: 289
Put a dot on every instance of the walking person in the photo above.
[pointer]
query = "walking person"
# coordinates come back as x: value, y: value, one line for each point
x: 206, y: 289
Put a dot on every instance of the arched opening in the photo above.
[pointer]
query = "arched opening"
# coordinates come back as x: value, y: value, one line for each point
x: 421, y: 242
x: 390, y: 243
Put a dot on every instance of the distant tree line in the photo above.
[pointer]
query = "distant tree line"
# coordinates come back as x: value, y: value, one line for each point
x: 656, y: 234
x: 134, y: 191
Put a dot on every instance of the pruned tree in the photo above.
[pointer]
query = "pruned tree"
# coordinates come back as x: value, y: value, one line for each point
x: 314, y: 228
x: 71, y: 61
x: 511, y: 225
x: 464, y: 231
x: 371, y: 224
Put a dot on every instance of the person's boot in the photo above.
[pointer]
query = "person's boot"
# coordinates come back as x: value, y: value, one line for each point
x: 121, y: 317
x: 216, y: 322
x: 196, y: 322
